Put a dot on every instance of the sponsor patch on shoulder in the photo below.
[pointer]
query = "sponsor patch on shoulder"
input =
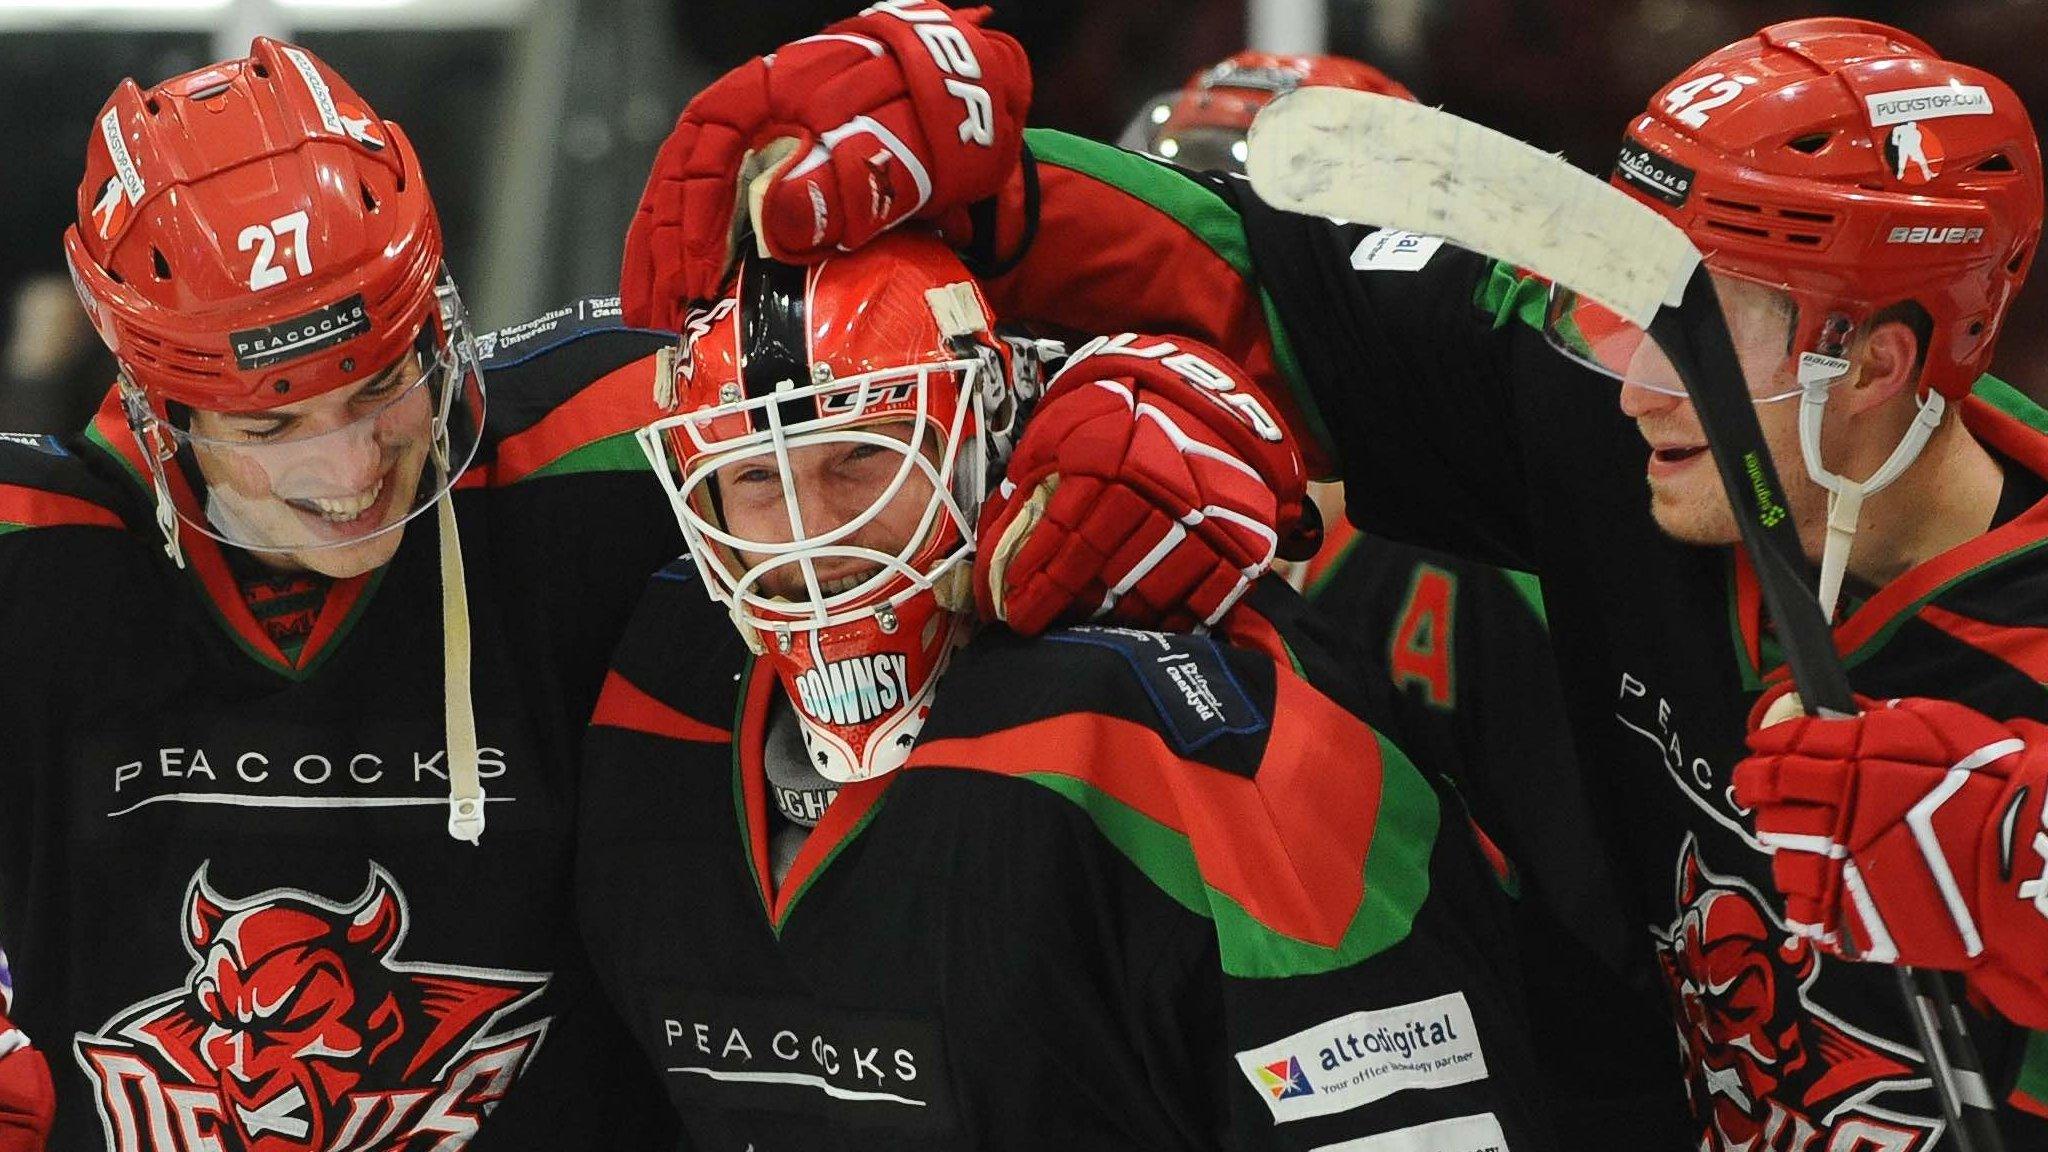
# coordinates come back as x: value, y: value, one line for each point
x: 1354, y: 1060
x: 1479, y: 1133
x: 549, y: 328
x: 1394, y: 250
x: 1191, y: 685
x: 48, y: 445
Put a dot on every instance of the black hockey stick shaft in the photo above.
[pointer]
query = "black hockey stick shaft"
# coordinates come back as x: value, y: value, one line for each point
x: 1695, y: 338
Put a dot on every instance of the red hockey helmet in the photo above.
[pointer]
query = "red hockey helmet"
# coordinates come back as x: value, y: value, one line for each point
x: 1203, y: 125
x: 832, y: 434
x: 1845, y: 165
x: 251, y: 237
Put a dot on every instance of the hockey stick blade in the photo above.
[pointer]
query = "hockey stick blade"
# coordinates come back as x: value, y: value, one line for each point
x: 1378, y: 160
x: 1364, y: 157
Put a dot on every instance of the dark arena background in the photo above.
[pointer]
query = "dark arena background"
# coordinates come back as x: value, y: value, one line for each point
x: 536, y: 119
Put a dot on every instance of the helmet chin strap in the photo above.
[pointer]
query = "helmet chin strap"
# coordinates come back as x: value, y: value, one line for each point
x: 465, y: 786
x: 1817, y: 375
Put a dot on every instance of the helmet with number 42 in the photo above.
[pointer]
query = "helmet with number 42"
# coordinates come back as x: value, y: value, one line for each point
x: 259, y: 250
x: 1832, y: 171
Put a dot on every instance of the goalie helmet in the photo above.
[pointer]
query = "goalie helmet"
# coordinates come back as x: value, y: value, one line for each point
x: 1202, y: 126
x: 252, y: 237
x: 832, y: 432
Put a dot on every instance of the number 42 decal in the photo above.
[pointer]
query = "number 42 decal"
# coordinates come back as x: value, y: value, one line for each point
x: 1684, y: 101
x: 262, y: 273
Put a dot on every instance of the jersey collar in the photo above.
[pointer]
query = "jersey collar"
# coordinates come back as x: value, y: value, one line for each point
x: 1997, y: 415
x: 207, y: 565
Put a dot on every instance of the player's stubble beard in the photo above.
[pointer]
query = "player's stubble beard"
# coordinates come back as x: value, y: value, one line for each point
x: 1692, y: 506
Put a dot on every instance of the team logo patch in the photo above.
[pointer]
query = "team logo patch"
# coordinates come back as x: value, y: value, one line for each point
x: 1913, y: 153
x: 1667, y: 180
x: 1765, y: 1066
x: 300, y: 336
x: 1367, y: 1056
x: 298, y: 1029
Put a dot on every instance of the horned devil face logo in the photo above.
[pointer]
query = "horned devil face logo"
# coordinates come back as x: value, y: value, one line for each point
x: 298, y: 1030
x: 1766, y: 1069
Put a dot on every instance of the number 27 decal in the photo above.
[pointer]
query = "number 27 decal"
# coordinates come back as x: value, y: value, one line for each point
x: 262, y: 273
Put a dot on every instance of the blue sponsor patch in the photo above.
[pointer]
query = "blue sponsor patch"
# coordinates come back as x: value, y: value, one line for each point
x: 48, y: 445
x: 504, y: 347
x: 1190, y: 683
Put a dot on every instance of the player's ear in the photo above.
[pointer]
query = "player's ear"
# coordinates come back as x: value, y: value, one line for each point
x: 1890, y: 364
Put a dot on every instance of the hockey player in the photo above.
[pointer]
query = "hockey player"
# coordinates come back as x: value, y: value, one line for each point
x: 298, y: 652
x: 26, y: 1096
x: 1454, y: 423
x: 1476, y: 694
x: 1202, y: 125
x: 864, y: 877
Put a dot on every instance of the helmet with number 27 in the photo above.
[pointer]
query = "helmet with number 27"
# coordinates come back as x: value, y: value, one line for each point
x: 259, y: 250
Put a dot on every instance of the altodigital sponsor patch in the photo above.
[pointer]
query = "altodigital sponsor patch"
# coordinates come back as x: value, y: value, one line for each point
x: 1354, y: 1060
x: 1394, y: 250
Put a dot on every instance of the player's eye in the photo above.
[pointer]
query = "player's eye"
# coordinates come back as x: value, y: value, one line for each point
x: 258, y: 428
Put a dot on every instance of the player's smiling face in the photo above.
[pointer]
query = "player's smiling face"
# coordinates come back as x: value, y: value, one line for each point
x: 835, y: 482
x: 1686, y: 494
x: 313, y: 480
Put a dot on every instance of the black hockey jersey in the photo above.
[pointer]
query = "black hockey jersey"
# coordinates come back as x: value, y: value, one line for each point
x: 236, y: 918
x: 1456, y: 426
x: 1466, y: 652
x: 1133, y: 891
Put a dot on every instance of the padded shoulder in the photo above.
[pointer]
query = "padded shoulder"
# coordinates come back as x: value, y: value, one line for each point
x: 1245, y: 794
x: 565, y: 391
x: 44, y: 484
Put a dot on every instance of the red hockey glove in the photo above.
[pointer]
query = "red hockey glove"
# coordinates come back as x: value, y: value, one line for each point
x: 28, y: 1101
x: 1151, y: 487
x: 1918, y: 826
x: 910, y: 110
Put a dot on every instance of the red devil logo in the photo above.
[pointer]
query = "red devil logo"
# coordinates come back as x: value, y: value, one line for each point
x: 1766, y: 1069
x: 298, y: 1030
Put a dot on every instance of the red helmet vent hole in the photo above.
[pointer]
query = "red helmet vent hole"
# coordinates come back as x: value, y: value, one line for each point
x: 1738, y: 229
x: 161, y: 266
x: 1734, y: 205
x: 1996, y: 162
x: 2018, y: 258
x: 152, y: 105
x: 369, y: 199
x: 1976, y: 327
x: 262, y: 70
x: 1811, y: 144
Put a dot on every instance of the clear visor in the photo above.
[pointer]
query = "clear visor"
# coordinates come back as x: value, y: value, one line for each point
x: 337, y: 469
x: 821, y: 522
x: 1776, y: 341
